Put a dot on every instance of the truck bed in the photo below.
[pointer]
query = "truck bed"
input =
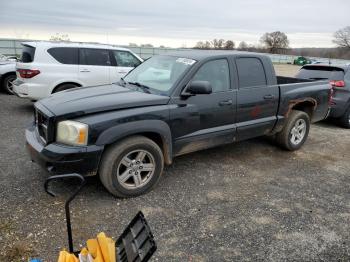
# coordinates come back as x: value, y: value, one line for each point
x: 295, y: 90
x: 283, y: 80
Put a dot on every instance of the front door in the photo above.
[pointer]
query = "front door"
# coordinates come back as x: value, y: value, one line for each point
x: 203, y: 121
x: 124, y: 61
x: 257, y: 102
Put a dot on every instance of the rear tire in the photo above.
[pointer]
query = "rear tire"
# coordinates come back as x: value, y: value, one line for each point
x: 345, y: 119
x: 7, y: 83
x: 131, y: 167
x: 295, y: 131
x: 64, y: 87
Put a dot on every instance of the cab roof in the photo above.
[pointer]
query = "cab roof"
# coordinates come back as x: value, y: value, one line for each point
x: 204, y: 54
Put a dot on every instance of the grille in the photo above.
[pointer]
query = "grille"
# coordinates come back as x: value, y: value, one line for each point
x: 42, y: 123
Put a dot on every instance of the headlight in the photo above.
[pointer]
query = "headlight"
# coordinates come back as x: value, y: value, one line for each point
x: 72, y: 133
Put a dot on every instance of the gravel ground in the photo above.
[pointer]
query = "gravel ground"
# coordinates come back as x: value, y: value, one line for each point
x: 250, y: 201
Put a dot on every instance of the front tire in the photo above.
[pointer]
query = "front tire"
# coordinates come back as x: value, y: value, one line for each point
x: 345, y: 119
x: 7, y: 84
x: 295, y: 131
x: 131, y: 167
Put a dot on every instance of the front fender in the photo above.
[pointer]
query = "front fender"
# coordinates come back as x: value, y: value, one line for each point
x: 115, y: 133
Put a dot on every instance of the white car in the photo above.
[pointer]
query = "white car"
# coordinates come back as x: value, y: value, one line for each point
x: 7, y: 74
x: 49, y: 67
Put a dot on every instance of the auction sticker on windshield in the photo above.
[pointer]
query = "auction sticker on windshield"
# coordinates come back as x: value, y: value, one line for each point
x: 185, y: 61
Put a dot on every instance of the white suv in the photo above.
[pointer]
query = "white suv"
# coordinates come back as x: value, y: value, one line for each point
x: 49, y: 67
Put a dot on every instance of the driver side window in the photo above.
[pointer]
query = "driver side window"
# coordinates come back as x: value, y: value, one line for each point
x: 217, y: 73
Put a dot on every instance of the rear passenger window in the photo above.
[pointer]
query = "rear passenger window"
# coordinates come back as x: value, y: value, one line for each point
x: 28, y: 53
x: 217, y: 73
x: 124, y: 58
x: 99, y: 57
x: 251, y: 72
x: 65, y: 55
x: 321, y: 72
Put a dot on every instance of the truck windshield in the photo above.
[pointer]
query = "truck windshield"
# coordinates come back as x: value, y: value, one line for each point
x: 159, y: 73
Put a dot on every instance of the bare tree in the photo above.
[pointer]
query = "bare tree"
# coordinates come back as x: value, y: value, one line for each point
x: 218, y: 43
x: 243, y: 46
x: 59, y: 37
x: 342, y: 37
x: 203, y: 45
x: 215, y: 44
x: 199, y: 45
x: 229, y: 44
x: 275, y: 41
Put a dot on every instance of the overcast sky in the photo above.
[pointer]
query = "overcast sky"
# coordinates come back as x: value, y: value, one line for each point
x: 308, y: 23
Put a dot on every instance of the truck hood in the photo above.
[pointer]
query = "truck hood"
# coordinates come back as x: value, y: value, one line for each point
x: 88, y: 100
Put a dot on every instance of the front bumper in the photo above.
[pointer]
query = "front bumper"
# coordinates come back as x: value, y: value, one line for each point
x: 61, y: 159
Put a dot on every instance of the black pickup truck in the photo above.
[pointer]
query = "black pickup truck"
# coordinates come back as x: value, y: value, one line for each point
x: 171, y: 105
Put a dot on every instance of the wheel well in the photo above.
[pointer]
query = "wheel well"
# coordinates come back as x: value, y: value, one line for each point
x: 157, y: 138
x: 73, y: 83
x: 7, y: 74
x: 306, y: 106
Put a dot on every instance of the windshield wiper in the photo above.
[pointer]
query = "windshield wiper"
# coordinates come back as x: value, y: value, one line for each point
x: 143, y: 87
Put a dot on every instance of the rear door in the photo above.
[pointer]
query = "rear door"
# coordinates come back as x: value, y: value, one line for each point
x: 123, y: 62
x: 94, y: 66
x: 257, y: 102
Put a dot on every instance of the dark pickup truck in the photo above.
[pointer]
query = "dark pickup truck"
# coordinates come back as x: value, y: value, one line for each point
x: 168, y: 106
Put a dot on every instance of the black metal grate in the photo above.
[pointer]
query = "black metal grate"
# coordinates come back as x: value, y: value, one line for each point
x: 136, y: 244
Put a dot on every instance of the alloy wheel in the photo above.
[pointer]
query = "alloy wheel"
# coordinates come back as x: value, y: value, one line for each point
x: 298, y: 132
x: 9, y: 85
x: 136, y: 169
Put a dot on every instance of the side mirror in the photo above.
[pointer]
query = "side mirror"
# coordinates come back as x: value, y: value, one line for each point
x: 198, y: 88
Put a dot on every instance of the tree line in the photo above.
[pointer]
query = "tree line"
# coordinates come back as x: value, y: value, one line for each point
x: 278, y: 43
x: 273, y: 42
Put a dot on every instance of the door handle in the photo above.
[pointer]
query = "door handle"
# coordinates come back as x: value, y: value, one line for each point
x: 84, y: 70
x: 225, y: 103
x: 269, y: 97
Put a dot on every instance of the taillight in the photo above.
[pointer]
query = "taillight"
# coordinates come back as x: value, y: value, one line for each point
x: 28, y: 73
x: 337, y: 83
x: 330, y: 98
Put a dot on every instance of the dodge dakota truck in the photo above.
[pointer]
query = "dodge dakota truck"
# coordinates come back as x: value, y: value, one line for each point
x: 168, y: 106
